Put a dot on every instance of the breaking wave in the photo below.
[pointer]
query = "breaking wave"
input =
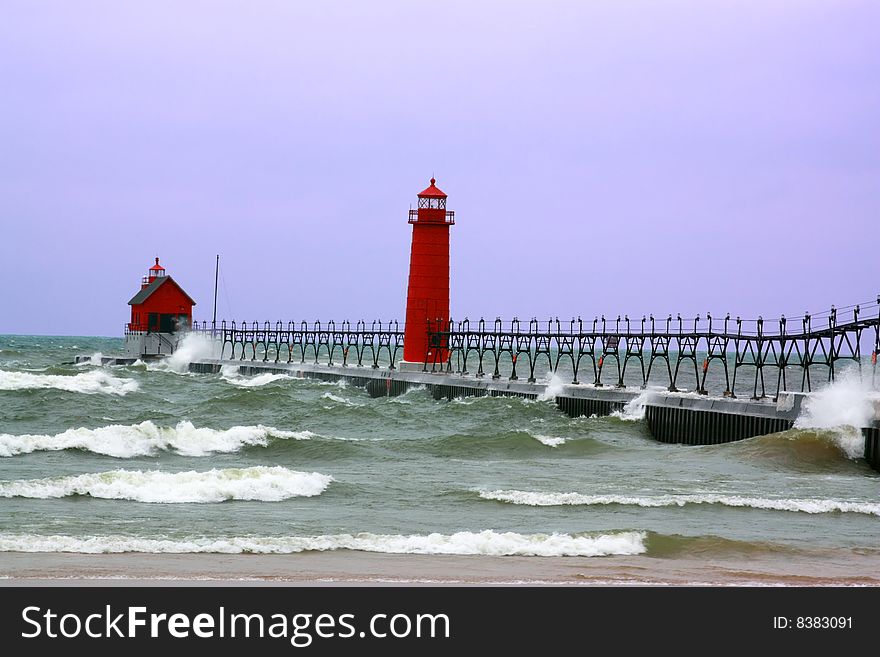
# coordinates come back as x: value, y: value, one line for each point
x: 634, y: 410
x: 92, y: 382
x: 266, y: 484
x: 815, y: 449
x: 230, y: 374
x: 193, y: 347
x: 486, y: 542
x: 555, y: 386
x: 842, y: 408
x: 146, y: 438
x: 531, y: 498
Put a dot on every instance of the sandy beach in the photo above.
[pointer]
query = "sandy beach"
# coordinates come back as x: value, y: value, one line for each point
x: 358, y: 568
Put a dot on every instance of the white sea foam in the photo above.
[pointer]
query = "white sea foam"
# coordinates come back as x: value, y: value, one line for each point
x: 843, y: 408
x: 486, y: 542
x: 230, y: 374
x: 508, y: 402
x: 339, y: 400
x: 258, y: 380
x: 467, y: 401
x: 555, y: 386
x: 342, y: 384
x: 550, y: 441
x: 531, y: 498
x: 634, y: 410
x: 267, y: 484
x: 125, y: 441
x: 94, y: 359
x: 91, y: 382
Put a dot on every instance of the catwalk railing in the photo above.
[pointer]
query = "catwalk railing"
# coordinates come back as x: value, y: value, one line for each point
x: 342, y: 344
x: 721, y: 349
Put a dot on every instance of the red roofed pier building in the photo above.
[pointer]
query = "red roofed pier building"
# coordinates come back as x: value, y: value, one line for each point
x: 159, y: 313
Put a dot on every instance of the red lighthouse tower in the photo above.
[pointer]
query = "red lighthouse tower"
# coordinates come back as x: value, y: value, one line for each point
x: 427, y: 299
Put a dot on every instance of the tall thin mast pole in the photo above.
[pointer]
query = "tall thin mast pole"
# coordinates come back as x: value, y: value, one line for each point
x: 216, y: 274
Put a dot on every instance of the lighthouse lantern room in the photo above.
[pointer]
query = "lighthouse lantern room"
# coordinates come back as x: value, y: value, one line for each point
x: 160, y: 312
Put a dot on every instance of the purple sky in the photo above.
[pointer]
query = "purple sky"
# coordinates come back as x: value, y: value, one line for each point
x: 601, y: 157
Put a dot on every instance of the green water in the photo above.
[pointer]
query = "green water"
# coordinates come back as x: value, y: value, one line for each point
x: 95, y: 459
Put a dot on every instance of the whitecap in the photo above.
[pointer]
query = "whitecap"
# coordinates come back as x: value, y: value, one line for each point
x: 536, y: 498
x: 550, y: 441
x: 340, y: 400
x: 91, y: 382
x: 231, y: 374
x: 146, y: 438
x: 267, y: 484
x: 487, y: 542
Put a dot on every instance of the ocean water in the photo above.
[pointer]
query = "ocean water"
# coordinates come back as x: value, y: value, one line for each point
x: 154, y: 459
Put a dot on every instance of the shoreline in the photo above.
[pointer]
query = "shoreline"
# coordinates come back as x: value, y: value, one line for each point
x: 348, y: 568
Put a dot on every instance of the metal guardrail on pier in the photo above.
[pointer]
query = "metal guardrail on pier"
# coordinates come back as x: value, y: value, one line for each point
x: 342, y: 344
x: 726, y: 347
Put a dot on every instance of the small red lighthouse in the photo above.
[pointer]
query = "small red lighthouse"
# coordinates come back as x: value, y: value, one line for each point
x: 427, y: 301
x: 160, y: 309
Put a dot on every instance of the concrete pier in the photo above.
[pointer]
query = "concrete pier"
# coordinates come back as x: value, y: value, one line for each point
x: 671, y: 417
x: 693, y: 420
